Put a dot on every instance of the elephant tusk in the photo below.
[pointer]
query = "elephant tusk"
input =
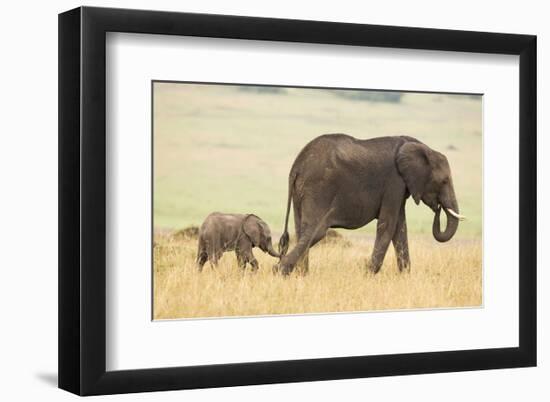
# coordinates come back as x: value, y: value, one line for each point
x: 457, y: 216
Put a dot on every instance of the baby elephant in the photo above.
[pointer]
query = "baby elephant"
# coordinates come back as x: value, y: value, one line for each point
x: 227, y: 232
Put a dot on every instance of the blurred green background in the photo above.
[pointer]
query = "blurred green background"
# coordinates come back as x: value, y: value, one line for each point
x: 229, y: 148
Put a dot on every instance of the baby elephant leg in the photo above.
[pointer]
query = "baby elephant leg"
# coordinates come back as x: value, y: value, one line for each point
x: 241, y: 259
x: 201, y: 260
x: 214, y: 257
x: 251, y: 260
x: 202, y: 255
x: 254, y: 263
x: 245, y: 256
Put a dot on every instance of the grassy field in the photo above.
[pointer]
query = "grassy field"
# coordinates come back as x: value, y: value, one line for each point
x: 230, y: 148
x: 447, y: 275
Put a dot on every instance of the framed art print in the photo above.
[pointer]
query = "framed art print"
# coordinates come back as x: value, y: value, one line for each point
x: 247, y: 200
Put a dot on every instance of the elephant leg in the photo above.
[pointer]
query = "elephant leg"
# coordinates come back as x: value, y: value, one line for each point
x: 400, y: 242
x: 303, y: 263
x: 253, y: 261
x: 245, y: 256
x: 309, y: 233
x: 202, y: 255
x: 201, y: 260
x: 385, y: 230
x: 214, y: 257
x: 384, y: 234
x: 241, y: 259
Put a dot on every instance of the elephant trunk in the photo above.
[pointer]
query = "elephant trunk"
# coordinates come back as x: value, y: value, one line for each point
x: 448, y: 203
x: 271, y: 251
x: 450, y: 230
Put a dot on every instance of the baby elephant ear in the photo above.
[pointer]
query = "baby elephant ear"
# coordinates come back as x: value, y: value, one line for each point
x: 413, y: 163
x: 252, y: 229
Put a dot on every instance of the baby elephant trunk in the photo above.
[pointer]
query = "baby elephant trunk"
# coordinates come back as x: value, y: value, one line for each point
x: 271, y: 251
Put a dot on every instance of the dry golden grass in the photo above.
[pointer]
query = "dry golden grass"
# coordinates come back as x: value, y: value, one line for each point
x: 442, y: 275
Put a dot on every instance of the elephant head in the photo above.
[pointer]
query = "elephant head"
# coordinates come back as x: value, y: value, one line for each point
x: 427, y: 176
x: 259, y: 234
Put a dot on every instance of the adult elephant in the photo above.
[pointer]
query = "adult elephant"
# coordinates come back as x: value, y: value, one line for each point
x: 338, y: 181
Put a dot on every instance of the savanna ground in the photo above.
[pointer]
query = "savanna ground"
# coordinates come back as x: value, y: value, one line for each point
x: 229, y: 149
x: 445, y: 276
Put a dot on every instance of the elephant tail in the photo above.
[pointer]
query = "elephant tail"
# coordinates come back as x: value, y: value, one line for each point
x: 284, y: 240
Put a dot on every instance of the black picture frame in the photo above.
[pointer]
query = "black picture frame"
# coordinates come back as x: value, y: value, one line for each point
x: 82, y: 207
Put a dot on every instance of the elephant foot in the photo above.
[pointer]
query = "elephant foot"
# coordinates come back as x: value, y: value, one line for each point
x: 406, y: 269
x: 373, y: 267
x: 283, y: 269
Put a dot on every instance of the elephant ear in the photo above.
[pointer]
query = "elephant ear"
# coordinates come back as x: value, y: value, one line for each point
x: 253, y: 229
x: 414, y: 164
